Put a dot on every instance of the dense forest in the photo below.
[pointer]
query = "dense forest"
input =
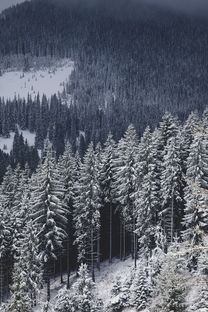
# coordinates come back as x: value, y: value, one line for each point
x: 142, y: 197
x: 119, y: 168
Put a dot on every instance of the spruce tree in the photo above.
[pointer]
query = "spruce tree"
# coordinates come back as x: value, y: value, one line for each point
x: 48, y: 211
x: 172, y: 187
x: 83, y: 292
x: 148, y: 197
x: 139, y: 290
x: 126, y: 182
x: 107, y: 183
x: 87, y: 210
x: 64, y: 301
x: 168, y: 295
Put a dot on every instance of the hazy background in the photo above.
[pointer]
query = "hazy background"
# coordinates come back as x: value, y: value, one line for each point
x: 7, y: 3
x: 186, y: 6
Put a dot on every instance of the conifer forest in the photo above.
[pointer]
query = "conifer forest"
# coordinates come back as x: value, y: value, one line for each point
x: 104, y: 156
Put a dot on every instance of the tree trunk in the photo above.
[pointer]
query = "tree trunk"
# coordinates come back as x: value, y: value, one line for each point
x: 2, y: 282
x: 98, y: 251
x: 132, y: 245
x: 121, y: 229
x: 92, y: 256
x: 124, y: 241
x: 110, y: 242
x: 48, y: 288
x: 68, y: 265
x: 61, y: 269
x: 172, y: 218
x: 135, y: 243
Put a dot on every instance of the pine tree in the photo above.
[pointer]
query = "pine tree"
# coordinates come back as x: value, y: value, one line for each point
x: 107, y: 182
x: 48, y: 211
x: 83, y: 292
x: 27, y: 273
x: 99, y: 166
x: 20, y: 300
x: 172, y: 187
x: 87, y: 210
x: 47, y: 307
x: 169, y: 291
x: 196, y: 217
x: 126, y: 182
x: 121, y: 294
x: 64, y: 301
x: 188, y: 132
x: 29, y: 251
x: 168, y: 129
x: 148, y: 197
x: 139, y: 290
x: 201, y: 302
x: 66, y: 168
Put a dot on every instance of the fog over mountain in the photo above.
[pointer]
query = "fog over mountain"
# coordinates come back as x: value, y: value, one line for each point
x: 193, y: 7
x: 4, y: 4
x: 187, y: 6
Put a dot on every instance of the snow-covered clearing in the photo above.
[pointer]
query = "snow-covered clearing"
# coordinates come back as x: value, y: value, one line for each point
x: 48, y: 81
x: 104, y: 279
x: 7, y: 143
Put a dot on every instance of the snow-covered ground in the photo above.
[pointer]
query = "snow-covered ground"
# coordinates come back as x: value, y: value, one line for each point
x: 7, y: 143
x: 45, y: 81
x: 104, y: 279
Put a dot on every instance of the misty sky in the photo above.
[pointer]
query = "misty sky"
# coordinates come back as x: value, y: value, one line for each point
x: 193, y: 6
x: 7, y: 3
x: 187, y: 6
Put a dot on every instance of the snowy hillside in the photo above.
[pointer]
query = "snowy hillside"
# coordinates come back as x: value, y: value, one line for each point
x: 6, y: 144
x: 105, y: 279
x: 45, y: 81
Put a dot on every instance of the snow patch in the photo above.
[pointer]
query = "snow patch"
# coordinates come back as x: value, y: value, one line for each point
x: 6, y: 144
x: 48, y: 81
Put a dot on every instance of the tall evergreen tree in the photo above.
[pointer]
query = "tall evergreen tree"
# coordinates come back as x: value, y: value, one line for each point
x: 126, y: 182
x: 48, y: 211
x: 87, y: 210
x: 172, y: 185
x: 107, y: 182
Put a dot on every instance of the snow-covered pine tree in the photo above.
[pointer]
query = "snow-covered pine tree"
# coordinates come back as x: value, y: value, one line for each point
x: 87, y: 210
x: 188, y: 132
x: 99, y: 166
x: 20, y: 300
x: 107, y: 182
x: 83, y: 290
x: 48, y: 211
x: 66, y: 168
x: 5, y: 244
x: 168, y: 129
x: 64, y: 301
x: 169, y: 292
x: 117, y: 286
x: 8, y: 192
x: 47, y: 307
x: 140, y: 290
x: 21, y: 211
x: 201, y: 302
x: 172, y: 187
x: 30, y: 253
x: 148, y: 197
x: 126, y: 183
x: 157, y: 255
x: 121, y: 294
x: 27, y: 275
x: 196, y: 216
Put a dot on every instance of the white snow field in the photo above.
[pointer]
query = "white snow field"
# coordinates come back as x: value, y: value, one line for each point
x: 48, y: 81
x: 7, y: 143
x: 104, y: 280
